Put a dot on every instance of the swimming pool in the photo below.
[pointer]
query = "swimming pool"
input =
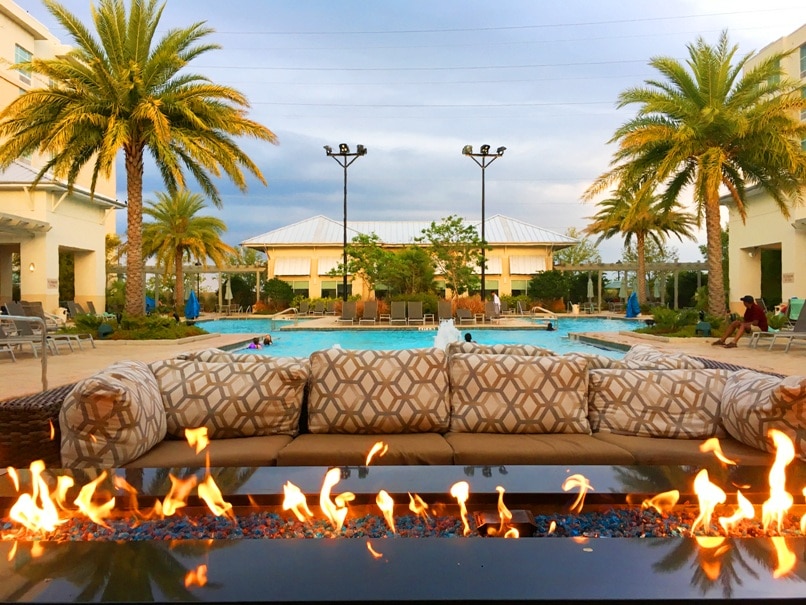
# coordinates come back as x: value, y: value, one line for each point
x: 304, y: 342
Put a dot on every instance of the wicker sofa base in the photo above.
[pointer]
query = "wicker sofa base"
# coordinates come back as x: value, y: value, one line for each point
x: 30, y: 428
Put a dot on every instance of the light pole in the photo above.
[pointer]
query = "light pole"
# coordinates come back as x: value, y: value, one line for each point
x: 344, y: 159
x: 484, y: 158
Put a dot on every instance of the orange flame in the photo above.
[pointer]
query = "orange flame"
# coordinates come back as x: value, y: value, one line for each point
x: 379, y: 448
x: 712, y: 445
x: 780, y: 500
x: 95, y: 512
x: 745, y: 510
x: 375, y: 554
x: 209, y: 492
x: 121, y: 484
x: 552, y: 527
x: 708, y: 495
x: 196, y: 577
x: 52, y: 430
x: 504, y: 514
x: 336, y: 512
x: 177, y: 495
x: 295, y: 501
x: 803, y: 518
x: 36, y: 511
x: 461, y: 491
x: 197, y: 438
x: 786, y: 558
x: 15, y: 478
x: 387, y: 505
x: 419, y: 507
x: 663, y: 502
x: 582, y: 483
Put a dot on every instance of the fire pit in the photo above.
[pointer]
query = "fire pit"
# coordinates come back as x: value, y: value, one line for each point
x: 568, y: 559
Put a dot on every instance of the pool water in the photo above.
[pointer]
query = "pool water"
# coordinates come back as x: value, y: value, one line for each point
x: 301, y: 343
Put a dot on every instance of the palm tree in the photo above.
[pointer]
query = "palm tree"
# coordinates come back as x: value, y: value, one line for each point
x: 178, y: 233
x: 639, y: 214
x: 126, y: 90
x: 705, y: 125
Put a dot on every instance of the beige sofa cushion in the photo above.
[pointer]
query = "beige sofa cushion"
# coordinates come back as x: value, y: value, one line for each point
x: 684, y: 404
x: 497, y: 349
x: 219, y: 355
x: 516, y: 394
x: 657, y: 450
x: 112, y: 417
x: 232, y: 399
x: 378, y: 392
x: 647, y: 357
x: 246, y: 452
x: 596, y: 361
x: 557, y: 448
x: 352, y: 450
x: 753, y: 403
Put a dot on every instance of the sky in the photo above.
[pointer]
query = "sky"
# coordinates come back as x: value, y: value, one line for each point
x: 415, y: 81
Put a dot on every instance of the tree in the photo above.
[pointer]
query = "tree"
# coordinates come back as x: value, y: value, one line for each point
x: 365, y: 258
x: 637, y: 213
x: 125, y: 90
x: 410, y: 271
x: 653, y: 253
x: 178, y: 234
x: 244, y: 285
x: 549, y: 285
x: 455, y: 249
x: 706, y: 125
x: 581, y: 253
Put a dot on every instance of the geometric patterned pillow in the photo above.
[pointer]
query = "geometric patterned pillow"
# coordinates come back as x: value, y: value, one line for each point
x: 596, y: 361
x: 753, y: 403
x: 219, y: 355
x: 378, y: 392
x: 516, y: 394
x: 682, y: 404
x: 497, y: 349
x: 232, y: 399
x: 112, y: 417
x: 649, y: 358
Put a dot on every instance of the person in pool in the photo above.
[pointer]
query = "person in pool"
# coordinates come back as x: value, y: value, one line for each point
x: 549, y: 327
x: 255, y: 344
x: 468, y: 337
x: 267, y: 340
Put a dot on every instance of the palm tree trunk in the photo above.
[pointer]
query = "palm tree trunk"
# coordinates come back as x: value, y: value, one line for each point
x: 135, y: 269
x: 716, y: 280
x: 640, y: 242
x: 180, y: 281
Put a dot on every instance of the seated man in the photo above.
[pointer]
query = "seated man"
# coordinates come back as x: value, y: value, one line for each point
x: 753, y: 316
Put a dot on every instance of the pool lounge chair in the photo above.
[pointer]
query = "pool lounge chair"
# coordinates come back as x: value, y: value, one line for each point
x: 793, y: 312
x: 318, y: 308
x: 490, y: 312
x: 465, y: 316
x: 105, y: 315
x: 370, y: 313
x: 11, y: 335
x: 444, y: 310
x: 330, y: 308
x: 414, y: 313
x: 304, y: 308
x: 398, y: 312
x: 798, y: 333
x: 347, y: 312
x: 75, y: 309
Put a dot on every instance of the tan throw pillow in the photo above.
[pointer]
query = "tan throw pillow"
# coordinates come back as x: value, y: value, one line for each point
x: 376, y: 392
x: 753, y: 403
x: 112, y: 417
x: 644, y: 357
x: 682, y: 404
x: 518, y: 394
x: 232, y: 399
x: 497, y: 349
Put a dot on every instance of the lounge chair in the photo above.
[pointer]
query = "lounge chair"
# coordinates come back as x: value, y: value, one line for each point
x: 414, y: 312
x: 490, y: 312
x: 444, y: 310
x: 19, y: 333
x: 398, y: 312
x: 75, y: 309
x: 6, y: 345
x: 347, y: 312
x: 304, y: 308
x: 793, y: 312
x: 465, y: 316
x: 318, y: 308
x: 35, y: 309
x: 370, y: 313
x: 105, y: 315
x: 798, y: 333
x: 330, y: 308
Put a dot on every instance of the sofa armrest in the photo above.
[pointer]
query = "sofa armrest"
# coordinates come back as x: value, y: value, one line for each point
x: 29, y: 428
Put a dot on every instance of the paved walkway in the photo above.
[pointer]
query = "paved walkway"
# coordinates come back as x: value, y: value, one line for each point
x: 25, y: 376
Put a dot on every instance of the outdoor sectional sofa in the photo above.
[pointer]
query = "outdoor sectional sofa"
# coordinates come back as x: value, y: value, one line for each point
x: 471, y: 405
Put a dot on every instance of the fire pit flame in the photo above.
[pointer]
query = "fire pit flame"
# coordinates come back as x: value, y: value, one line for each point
x: 583, y: 484
x: 379, y: 448
x: 780, y: 500
x: 387, y: 505
x: 461, y: 491
x: 662, y: 502
x: 295, y: 501
x: 708, y: 495
x: 94, y: 512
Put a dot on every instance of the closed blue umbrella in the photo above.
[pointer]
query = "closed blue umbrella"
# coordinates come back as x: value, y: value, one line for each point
x: 633, y: 307
x: 192, y: 306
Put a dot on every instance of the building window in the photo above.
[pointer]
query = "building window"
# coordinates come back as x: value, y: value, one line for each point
x: 22, y: 56
x: 519, y: 286
x: 803, y: 61
x: 803, y: 111
x: 329, y: 289
x: 774, y: 80
x: 300, y: 288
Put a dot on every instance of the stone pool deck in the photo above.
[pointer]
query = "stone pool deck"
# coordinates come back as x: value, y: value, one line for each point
x: 25, y: 376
